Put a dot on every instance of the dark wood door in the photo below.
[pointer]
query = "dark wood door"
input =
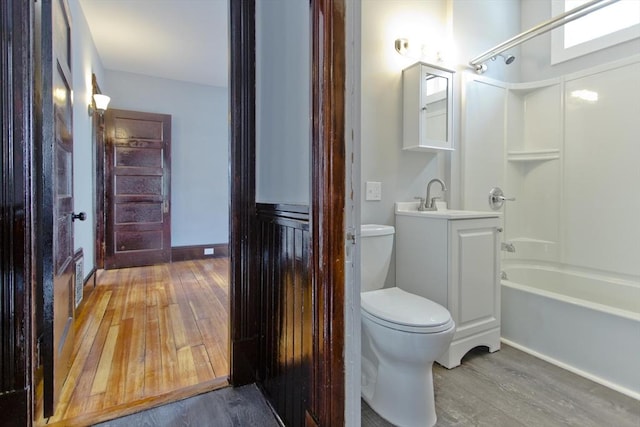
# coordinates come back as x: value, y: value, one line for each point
x: 58, y: 169
x: 137, y: 188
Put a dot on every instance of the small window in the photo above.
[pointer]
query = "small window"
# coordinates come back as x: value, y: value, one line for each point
x: 613, y: 24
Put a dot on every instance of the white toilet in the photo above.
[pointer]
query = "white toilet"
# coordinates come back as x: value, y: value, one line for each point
x: 402, y: 335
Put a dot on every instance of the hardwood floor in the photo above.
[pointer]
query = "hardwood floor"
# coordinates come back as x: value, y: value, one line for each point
x: 510, y: 388
x: 145, y: 336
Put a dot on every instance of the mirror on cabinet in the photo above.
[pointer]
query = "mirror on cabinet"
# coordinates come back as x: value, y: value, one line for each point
x: 427, y: 110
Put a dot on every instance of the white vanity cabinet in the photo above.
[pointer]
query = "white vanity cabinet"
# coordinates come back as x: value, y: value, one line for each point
x: 454, y: 261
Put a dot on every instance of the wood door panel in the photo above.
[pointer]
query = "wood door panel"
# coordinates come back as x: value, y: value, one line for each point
x: 137, y: 183
x: 128, y: 129
x: 133, y: 185
x: 138, y: 241
x: 146, y: 157
x: 127, y: 213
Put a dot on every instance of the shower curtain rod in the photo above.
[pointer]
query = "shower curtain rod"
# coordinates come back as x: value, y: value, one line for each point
x: 478, y: 62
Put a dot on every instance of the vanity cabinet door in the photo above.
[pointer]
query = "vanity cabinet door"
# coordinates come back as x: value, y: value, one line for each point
x: 474, y: 287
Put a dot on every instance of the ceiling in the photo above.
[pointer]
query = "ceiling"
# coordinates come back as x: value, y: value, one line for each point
x: 175, y: 39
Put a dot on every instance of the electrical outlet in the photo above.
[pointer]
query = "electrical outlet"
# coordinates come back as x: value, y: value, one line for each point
x: 373, y: 190
x: 209, y: 251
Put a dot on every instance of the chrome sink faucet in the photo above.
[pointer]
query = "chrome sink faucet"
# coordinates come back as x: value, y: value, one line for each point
x: 430, y: 202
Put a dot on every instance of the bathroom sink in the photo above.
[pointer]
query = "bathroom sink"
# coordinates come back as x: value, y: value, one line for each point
x: 411, y: 209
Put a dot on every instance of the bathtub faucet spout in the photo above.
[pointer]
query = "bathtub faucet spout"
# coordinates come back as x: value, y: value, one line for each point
x: 507, y: 247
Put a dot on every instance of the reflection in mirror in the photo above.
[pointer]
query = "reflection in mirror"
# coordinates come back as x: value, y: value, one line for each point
x: 435, y: 107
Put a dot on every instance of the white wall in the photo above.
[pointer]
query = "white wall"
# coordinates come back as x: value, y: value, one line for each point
x: 283, y: 110
x: 465, y: 29
x: 199, y: 149
x: 403, y: 174
x: 479, y: 25
x: 85, y: 61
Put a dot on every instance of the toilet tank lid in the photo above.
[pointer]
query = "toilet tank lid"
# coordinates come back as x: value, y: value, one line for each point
x: 368, y: 230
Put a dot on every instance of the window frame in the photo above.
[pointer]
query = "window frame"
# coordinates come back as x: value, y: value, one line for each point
x: 561, y: 54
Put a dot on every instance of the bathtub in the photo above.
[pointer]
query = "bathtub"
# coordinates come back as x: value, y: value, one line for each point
x: 566, y: 319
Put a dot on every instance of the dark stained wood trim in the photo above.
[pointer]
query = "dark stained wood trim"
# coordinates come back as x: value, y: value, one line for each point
x: 244, y: 288
x: 185, y: 253
x: 43, y: 227
x: 328, y: 204
x: 16, y: 207
x: 282, y: 212
x: 90, y: 276
x: 325, y: 404
x: 98, y: 136
x: 309, y: 421
x: 286, y: 357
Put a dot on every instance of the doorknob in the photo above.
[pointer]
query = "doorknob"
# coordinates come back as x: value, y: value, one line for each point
x: 81, y: 216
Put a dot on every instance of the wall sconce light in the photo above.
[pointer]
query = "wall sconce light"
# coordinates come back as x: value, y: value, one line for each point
x: 101, y: 103
x: 418, y: 51
x: 402, y: 46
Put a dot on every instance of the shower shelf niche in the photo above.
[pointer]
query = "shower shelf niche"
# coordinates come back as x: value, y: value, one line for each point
x: 531, y: 240
x: 533, y: 155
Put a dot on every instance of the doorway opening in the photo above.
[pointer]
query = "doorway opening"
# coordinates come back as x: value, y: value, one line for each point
x: 173, y: 316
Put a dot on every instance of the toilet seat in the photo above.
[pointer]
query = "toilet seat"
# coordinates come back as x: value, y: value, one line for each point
x: 397, y: 309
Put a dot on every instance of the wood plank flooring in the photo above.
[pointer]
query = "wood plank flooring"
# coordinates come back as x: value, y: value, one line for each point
x: 510, y: 388
x: 146, y: 333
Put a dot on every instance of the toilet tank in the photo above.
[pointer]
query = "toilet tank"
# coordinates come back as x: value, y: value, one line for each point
x: 375, y: 255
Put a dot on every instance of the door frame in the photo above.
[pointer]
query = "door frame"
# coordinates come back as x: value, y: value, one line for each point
x: 17, y: 207
x: 328, y: 195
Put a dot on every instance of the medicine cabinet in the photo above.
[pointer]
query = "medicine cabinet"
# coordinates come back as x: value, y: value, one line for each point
x: 427, y: 111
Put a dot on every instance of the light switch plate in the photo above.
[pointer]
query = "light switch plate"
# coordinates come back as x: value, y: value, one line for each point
x: 373, y: 190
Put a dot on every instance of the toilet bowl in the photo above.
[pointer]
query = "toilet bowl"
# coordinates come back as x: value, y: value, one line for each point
x: 402, y: 335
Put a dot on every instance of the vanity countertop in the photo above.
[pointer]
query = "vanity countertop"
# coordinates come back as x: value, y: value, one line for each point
x: 411, y: 209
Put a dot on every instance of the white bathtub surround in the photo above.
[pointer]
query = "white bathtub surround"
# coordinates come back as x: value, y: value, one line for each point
x: 570, y: 161
x: 566, y: 148
x: 588, y: 324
